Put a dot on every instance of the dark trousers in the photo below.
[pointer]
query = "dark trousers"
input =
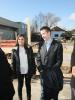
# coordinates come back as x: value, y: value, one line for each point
x: 27, y: 84
x: 4, y: 97
x: 48, y: 93
x: 73, y: 93
x: 7, y: 91
x: 73, y: 87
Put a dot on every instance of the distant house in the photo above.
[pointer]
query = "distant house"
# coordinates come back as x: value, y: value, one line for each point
x: 56, y: 32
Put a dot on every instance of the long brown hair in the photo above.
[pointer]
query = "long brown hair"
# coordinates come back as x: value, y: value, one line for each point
x: 25, y: 39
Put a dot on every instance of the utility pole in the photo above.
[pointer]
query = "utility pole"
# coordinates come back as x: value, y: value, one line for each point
x: 28, y: 30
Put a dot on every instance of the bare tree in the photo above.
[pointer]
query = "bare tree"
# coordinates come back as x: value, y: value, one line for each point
x: 34, y: 26
x: 48, y: 19
x: 40, y: 19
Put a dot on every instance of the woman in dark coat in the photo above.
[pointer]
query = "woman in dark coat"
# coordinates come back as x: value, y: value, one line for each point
x: 49, y: 60
x: 23, y: 64
x: 6, y: 86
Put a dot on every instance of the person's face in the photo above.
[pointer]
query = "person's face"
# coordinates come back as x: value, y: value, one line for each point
x: 45, y: 35
x: 21, y: 41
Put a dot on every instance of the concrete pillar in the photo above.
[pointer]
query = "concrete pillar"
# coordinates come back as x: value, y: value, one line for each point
x: 28, y: 31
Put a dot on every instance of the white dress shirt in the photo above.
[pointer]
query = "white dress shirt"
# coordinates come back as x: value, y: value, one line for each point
x: 48, y: 43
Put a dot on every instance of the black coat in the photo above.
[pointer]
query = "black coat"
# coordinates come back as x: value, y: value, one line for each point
x: 16, y: 60
x: 6, y: 86
x: 73, y: 65
x: 49, y: 64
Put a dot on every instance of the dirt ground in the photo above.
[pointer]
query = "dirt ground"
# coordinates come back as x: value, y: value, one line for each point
x: 35, y: 88
x: 65, y: 94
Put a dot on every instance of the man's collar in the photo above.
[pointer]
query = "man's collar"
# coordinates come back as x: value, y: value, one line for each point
x: 49, y: 41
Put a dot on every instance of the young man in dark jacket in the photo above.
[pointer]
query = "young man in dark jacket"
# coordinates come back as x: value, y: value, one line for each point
x: 49, y: 61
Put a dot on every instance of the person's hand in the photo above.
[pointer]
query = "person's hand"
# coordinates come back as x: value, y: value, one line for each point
x: 73, y: 71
